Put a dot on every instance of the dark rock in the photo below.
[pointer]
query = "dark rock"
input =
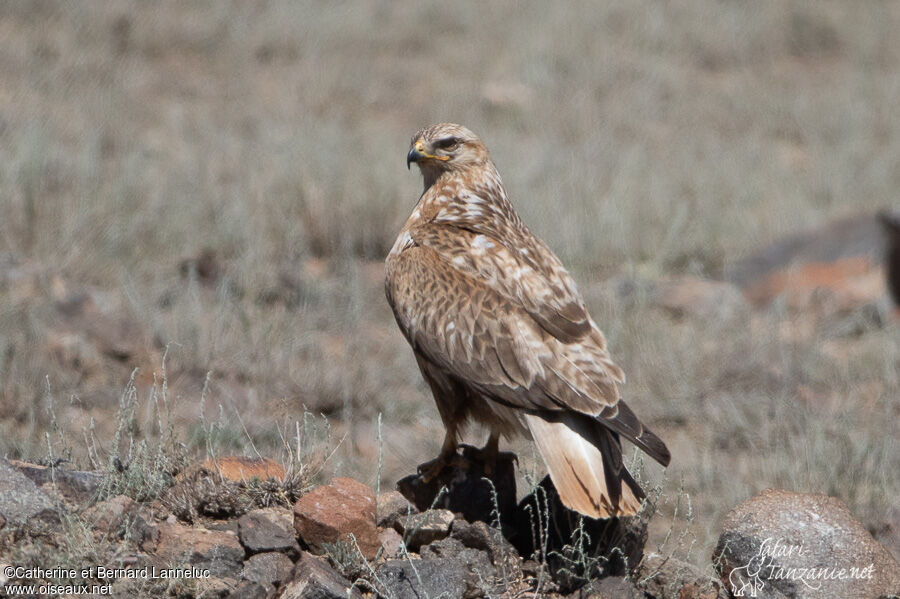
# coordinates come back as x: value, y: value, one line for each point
x: 76, y: 485
x: 20, y: 499
x: 142, y: 530
x: 215, y: 587
x: 422, y: 579
x: 391, y: 507
x: 835, y: 269
x: 661, y: 576
x: 611, y: 587
x: 479, y: 535
x: 778, y: 543
x: 481, y: 576
x: 268, y: 569
x: 427, y: 527
x: 314, y: 579
x: 333, y: 512
x: 577, y: 548
x: 850, y: 237
x: 219, y: 551
x: 467, y: 491
x: 890, y: 222
x: 248, y: 589
x: 268, y: 529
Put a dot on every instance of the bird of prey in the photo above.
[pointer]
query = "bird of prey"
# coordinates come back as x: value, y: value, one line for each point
x: 501, y: 334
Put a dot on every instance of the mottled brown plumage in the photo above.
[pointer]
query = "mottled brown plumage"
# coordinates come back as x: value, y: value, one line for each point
x: 502, y: 335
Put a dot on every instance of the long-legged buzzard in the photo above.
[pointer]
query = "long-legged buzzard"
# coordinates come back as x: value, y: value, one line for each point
x: 502, y: 335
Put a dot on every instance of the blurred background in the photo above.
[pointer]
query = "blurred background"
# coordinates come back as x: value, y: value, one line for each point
x: 199, y: 196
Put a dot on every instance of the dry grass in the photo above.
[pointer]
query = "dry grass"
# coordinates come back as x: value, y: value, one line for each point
x: 639, y: 138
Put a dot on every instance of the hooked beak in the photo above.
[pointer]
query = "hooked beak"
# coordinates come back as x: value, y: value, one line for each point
x: 415, y: 155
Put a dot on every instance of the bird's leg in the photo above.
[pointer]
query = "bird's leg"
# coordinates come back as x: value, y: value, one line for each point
x: 487, y: 455
x: 429, y: 470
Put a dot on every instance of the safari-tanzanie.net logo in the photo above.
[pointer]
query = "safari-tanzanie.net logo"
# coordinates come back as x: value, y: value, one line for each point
x: 765, y: 567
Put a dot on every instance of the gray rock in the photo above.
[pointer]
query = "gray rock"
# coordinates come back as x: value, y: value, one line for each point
x: 666, y: 576
x: 481, y: 576
x: 20, y: 499
x: 315, y: 579
x: 392, y: 507
x: 784, y: 544
x: 268, y: 529
x: 479, y: 535
x: 216, y: 587
x: 422, y: 579
x: 268, y: 569
x: 248, y: 589
x: 427, y: 527
x: 611, y: 587
x: 76, y: 485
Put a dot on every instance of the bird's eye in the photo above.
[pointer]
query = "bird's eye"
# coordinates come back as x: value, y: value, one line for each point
x: 447, y: 143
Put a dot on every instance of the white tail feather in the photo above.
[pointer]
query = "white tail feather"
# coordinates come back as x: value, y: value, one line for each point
x: 576, y: 467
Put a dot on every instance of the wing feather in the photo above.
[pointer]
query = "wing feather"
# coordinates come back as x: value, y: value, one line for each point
x: 507, y: 355
x: 534, y: 279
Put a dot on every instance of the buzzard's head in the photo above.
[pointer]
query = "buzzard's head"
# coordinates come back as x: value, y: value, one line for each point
x: 445, y: 147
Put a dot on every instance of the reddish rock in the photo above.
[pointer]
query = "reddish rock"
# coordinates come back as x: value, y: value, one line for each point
x: 855, y: 236
x: 111, y: 514
x: 849, y: 283
x: 392, y: 543
x: 846, y: 264
x: 219, y: 551
x: 333, y: 512
x: 240, y: 469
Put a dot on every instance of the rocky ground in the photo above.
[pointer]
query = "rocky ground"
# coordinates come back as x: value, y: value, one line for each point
x: 233, y: 528
x: 238, y: 527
